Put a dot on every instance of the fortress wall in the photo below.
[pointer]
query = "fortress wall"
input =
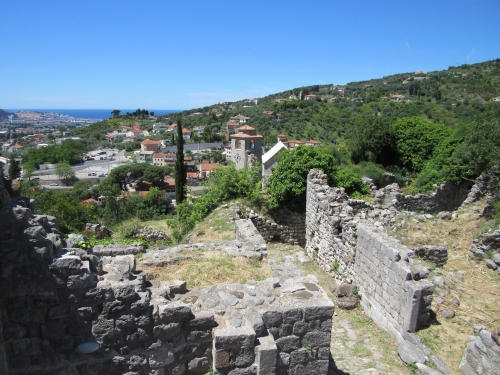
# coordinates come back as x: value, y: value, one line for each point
x: 331, y: 230
x: 340, y: 240
x: 384, y: 278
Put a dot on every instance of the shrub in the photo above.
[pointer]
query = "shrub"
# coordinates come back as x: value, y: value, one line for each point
x: 129, y: 228
x: 351, y: 182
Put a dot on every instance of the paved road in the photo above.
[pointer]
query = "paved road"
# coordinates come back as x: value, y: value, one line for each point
x: 47, y: 177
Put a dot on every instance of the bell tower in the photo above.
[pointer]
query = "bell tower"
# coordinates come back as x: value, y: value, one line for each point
x: 246, y: 146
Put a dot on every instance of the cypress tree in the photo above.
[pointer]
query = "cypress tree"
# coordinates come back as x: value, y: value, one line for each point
x: 14, y: 168
x: 180, y: 169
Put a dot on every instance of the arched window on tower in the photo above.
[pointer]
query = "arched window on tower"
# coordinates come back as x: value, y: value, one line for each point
x: 252, y: 144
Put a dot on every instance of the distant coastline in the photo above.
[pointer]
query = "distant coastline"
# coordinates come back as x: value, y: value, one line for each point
x: 91, y: 114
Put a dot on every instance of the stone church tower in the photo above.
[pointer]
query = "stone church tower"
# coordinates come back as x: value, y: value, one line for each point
x: 246, y: 146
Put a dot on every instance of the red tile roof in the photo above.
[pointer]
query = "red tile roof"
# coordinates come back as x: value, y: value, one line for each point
x: 205, y: 167
x: 150, y: 142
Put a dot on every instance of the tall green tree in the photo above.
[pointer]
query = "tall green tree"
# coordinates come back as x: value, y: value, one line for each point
x: 115, y: 112
x: 63, y: 171
x: 416, y: 138
x: 14, y: 168
x: 180, y: 168
x: 288, y: 183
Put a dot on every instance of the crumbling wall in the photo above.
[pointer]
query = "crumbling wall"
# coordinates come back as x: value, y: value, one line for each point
x: 330, y: 226
x: 285, y: 226
x: 342, y: 236
x: 446, y: 197
x: 54, y: 298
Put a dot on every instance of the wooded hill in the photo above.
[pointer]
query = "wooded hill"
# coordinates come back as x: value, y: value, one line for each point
x: 452, y: 96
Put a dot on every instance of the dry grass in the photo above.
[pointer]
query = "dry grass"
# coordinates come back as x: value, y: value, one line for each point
x: 479, y: 294
x: 204, y: 268
x: 215, y: 227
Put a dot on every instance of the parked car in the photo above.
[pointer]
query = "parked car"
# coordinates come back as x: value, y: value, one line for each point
x: 102, y: 175
x: 54, y: 184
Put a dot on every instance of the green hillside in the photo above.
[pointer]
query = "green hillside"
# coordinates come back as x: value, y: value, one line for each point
x: 454, y: 97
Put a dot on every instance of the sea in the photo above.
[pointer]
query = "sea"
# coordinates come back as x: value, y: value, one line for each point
x: 93, y: 114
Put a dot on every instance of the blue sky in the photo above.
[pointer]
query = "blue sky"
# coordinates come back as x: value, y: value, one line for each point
x: 167, y: 54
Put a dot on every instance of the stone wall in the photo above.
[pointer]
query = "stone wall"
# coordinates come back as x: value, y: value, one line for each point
x: 482, y: 355
x: 285, y: 226
x: 54, y: 298
x: 384, y: 278
x: 342, y: 237
x: 330, y: 226
x: 446, y: 197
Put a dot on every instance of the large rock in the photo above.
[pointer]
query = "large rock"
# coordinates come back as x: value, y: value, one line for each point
x: 410, y: 353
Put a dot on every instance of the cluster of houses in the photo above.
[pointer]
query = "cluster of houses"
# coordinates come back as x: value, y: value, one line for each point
x: 198, y: 168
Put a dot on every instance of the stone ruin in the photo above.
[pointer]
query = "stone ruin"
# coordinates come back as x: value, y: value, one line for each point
x: 346, y: 238
x: 68, y: 311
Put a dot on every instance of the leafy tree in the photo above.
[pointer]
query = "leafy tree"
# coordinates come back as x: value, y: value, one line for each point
x: 14, y: 168
x: 480, y: 149
x: 115, y: 113
x: 180, y: 168
x: 28, y: 170
x: 64, y: 172
x: 288, y: 183
x: 373, y: 140
x: 416, y: 138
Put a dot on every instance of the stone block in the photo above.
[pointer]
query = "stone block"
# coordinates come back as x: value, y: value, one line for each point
x: 317, y: 339
x: 411, y: 353
x: 202, y: 319
x: 198, y: 365
x: 291, y: 316
x: 255, y: 320
x: 288, y: 344
x: 317, y: 367
x: 272, y: 318
x: 174, y: 312
x: 161, y: 359
x: 66, y: 265
x: 319, y: 312
x: 81, y: 281
x: 266, y: 353
x: 229, y: 338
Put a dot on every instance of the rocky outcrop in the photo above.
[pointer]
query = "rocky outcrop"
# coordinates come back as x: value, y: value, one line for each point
x: 482, y: 355
x: 488, y: 245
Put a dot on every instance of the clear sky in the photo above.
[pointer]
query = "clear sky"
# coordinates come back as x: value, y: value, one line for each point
x: 166, y: 54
